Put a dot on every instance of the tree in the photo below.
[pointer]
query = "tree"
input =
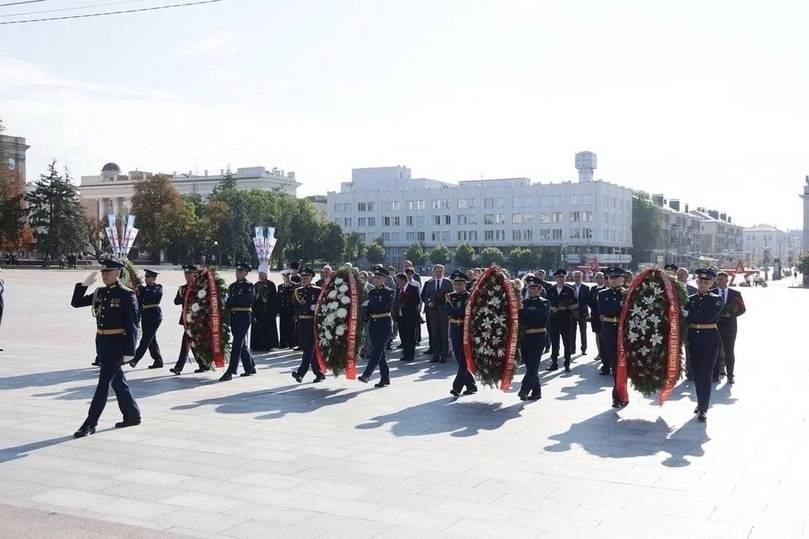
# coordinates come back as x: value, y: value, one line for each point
x: 157, y: 204
x: 549, y: 258
x: 464, y: 255
x: 415, y: 253
x: 439, y: 254
x: 354, y: 247
x: 491, y: 256
x: 522, y: 259
x: 803, y: 266
x: 228, y: 182
x: 94, y: 230
x: 375, y: 252
x: 12, y: 212
x: 55, y: 214
x: 334, y: 243
x: 647, y: 227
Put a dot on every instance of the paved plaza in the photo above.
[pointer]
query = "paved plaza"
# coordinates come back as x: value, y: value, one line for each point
x: 266, y: 457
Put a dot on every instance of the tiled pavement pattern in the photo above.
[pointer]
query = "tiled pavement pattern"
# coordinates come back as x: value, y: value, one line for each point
x: 266, y: 457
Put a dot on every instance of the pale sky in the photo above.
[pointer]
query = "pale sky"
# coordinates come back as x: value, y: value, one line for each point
x: 705, y: 101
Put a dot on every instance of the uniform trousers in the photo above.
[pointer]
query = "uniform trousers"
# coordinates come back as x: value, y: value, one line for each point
x: 148, y: 340
x: 306, y: 338
x: 531, y: 349
x: 609, y: 353
x: 561, y: 326
x: 703, y: 347
x: 239, y: 324
x: 463, y: 377
x: 379, y: 330
x: 112, y: 375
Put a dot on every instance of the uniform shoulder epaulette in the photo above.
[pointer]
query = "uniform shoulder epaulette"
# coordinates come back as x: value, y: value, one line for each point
x: 125, y: 288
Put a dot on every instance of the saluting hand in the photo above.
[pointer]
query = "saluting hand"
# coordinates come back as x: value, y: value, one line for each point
x: 90, y: 279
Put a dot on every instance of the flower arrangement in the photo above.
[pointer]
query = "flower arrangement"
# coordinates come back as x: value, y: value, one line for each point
x: 734, y: 307
x: 205, y: 322
x: 491, y: 329
x: 649, y: 335
x: 131, y: 275
x: 338, y: 314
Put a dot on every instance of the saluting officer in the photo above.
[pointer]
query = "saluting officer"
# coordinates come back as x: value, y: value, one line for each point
x: 704, y: 341
x: 563, y: 302
x: 151, y: 316
x: 533, y: 315
x: 189, y: 271
x: 380, y: 327
x: 239, y: 305
x: 116, y: 312
x: 305, y: 302
x: 456, y: 310
x: 610, y: 302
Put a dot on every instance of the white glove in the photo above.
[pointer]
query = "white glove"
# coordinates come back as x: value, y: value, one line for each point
x: 90, y: 279
x: 313, y: 307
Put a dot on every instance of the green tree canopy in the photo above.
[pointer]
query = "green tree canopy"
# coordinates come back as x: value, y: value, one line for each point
x: 491, y: 255
x: 439, y: 254
x: 156, y: 203
x: 415, y: 253
x: 647, y: 227
x: 522, y: 259
x: 465, y: 256
x: 375, y: 252
x: 354, y: 247
x: 55, y: 214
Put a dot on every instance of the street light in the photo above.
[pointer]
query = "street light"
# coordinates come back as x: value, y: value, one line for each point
x: 218, y: 254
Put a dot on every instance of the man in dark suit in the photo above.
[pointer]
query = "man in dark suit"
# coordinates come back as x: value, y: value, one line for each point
x: 415, y: 277
x: 595, y: 319
x: 732, y: 308
x: 407, y: 314
x: 563, y: 304
x: 434, y: 296
x: 115, y: 309
x: 583, y: 298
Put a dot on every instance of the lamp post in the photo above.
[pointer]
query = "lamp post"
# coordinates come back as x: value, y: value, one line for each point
x: 218, y: 254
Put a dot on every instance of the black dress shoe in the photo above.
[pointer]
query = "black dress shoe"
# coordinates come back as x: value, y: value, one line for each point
x: 522, y: 396
x: 84, y: 431
x: 455, y: 393
x: 381, y: 384
x: 155, y: 366
x: 362, y: 379
x: 133, y: 363
x: 567, y: 368
x: 442, y: 360
x: 604, y: 371
x: 127, y: 423
x: 731, y: 379
x: 297, y: 349
x: 297, y: 377
x: 702, y: 417
x: 175, y: 371
x: 553, y: 367
x: 318, y: 379
x: 95, y: 364
x: 202, y: 369
x: 470, y: 391
x: 534, y: 397
x: 715, y: 379
x: 227, y: 377
x: 696, y: 410
x: 246, y: 373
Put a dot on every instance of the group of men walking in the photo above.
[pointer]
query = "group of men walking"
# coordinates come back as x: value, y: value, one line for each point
x: 549, y: 312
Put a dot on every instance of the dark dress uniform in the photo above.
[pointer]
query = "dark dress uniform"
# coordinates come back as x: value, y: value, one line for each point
x: 704, y: 342
x: 579, y: 318
x: 116, y: 311
x: 595, y: 325
x: 239, y: 306
x: 380, y: 327
x: 728, y: 327
x: 408, y: 320
x: 533, y: 316
x: 264, y: 333
x: 304, y: 301
x: 286, y: 315
x: 561, y: 323
x: 151, y: 316
x: 456, y: 310
x: 185, y: 343
x: 610, y: 301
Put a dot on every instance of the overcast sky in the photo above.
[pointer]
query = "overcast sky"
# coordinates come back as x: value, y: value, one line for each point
x: 705, y: 101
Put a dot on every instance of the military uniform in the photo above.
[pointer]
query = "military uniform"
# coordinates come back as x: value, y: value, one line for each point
x: 595, y: 325
x: 456, y: 310
x: 561, y: 322
x: 610, y: 301
x: 533, y: 315
x: 239, y: 306
x: 704, y: 341
x: 380, y: 326
x: 264, y: 333
x: 185, y: 343
x: 408, y: 317
x: 116, y: 310
x: 305, y: 301
x: 151, y: 316
x: 286, y: 315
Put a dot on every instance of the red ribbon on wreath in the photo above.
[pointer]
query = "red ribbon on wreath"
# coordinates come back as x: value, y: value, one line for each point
x: 353, y: 318
x: 318, y: 352
x: 215, y: 321
x: 672, y: 342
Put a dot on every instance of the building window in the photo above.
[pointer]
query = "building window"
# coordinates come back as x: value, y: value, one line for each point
x: 396, y: 220
x: 360, y: 206
x: 550, y: 200
x: 557, y: 233
x: 447, y: 220
x: 396, y: 205
x: 411, y: 236
x: 472, y: 219
x: 488, y: 203
x: 420, y: 236
x: 394, y: 236
x: 473, y: 235
x: 528, y: 234
x: 436, y: 204
x: 415, y: 205
x: 347, y: 221
x: 462, y: 235
x: 545, y: 234
x: 436, y: 236
x: 370, y: 206
x: 587, y: 233
x: 386, y: 221
x: 436, y: 219
x: 360, y: 221
x: 516, y: 219
x: 500, y: 235
x: 516, y: 235
x: 575, y: 233
x: 579, y: 200
x: 550, y: 217
x: 409, y: 220
x: 587, y: 216
x: 488, y: 219
x: 419, y: 220
x: 462, y: 203
x: 386, y: 236
x: 522, y: 202
x: 445, y: 236
x: 371, y: 221
x: 488, y: 235
x: 473, y: 203
x: 462, y: 219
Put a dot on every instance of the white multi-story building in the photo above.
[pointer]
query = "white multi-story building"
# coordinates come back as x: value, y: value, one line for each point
x: 586, y: 219
x: 111, y: 191
x: 763, y: 243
